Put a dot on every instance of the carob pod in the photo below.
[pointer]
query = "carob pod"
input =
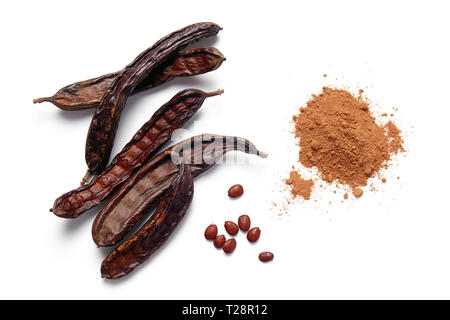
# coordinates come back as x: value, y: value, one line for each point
x: 152, y: 135
x: 144, y: 188
x: 104, y: 124
x: 155, y: 231
x: 88, y: 94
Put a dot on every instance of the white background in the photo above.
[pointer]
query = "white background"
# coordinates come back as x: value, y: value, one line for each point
x: 392, y: 243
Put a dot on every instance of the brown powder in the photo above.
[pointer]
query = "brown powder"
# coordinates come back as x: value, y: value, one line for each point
x: 340, y: 137
x: 395, y: 139
x: 300, y: 187
x: 357, y: 192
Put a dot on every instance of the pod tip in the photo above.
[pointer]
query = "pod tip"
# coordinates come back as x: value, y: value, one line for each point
x: 44, y: 99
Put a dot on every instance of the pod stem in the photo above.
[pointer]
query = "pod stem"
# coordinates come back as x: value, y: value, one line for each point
x: 44, y: 99
x: 261, y: 154
x: 218, y: 92
x: 85, y: 178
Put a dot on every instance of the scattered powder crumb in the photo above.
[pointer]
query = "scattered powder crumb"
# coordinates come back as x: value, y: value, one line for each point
x: 299, y: 186
x: 395, y: 139
x: 357, y: 192
x: 346, y: 196
x: 383, y: 180
x: 325, y: 75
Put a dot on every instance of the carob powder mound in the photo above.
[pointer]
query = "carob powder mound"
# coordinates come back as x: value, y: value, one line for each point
x: 340, y: 137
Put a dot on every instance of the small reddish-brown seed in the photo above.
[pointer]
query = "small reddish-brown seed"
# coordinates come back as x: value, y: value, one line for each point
x: 231, y: 227
x: 211, y: 232
x: 265, y: 256
x: 229, y: 245
x: 253, y: 234
x: 219, y: 241
x: 244, y: 222
x: 235, y: 191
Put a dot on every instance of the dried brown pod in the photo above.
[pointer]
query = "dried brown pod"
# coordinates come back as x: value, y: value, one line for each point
x: 88, y: 94
x: 105, y: 121
x: 141, y: 147
x: 156, y: 230
x: 143, y: 189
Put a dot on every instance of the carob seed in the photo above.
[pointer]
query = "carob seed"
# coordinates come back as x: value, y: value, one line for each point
x: 244, y: 222
x: 229, y: 245
x: 231, y: 227
x: 211, y: 232
x: 235, y: 191
x: 253, y: 234
x: 219, y: 241
x: 266, y: 256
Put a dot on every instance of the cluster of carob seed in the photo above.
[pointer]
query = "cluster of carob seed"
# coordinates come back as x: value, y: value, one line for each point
x: 228, y: 245
x: 142, y: 175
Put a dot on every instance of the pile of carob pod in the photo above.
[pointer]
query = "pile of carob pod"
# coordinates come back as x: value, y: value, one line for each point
x: 142, y: 175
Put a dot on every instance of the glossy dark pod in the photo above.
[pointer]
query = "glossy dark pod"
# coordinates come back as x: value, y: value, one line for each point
x: 88, y: 94
x: 105, y: 121
x: 169, y: 213
x: 141, y: 147
x: 145, y: 187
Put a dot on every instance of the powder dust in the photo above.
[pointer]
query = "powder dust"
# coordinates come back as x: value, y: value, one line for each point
x: 340, y: 137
